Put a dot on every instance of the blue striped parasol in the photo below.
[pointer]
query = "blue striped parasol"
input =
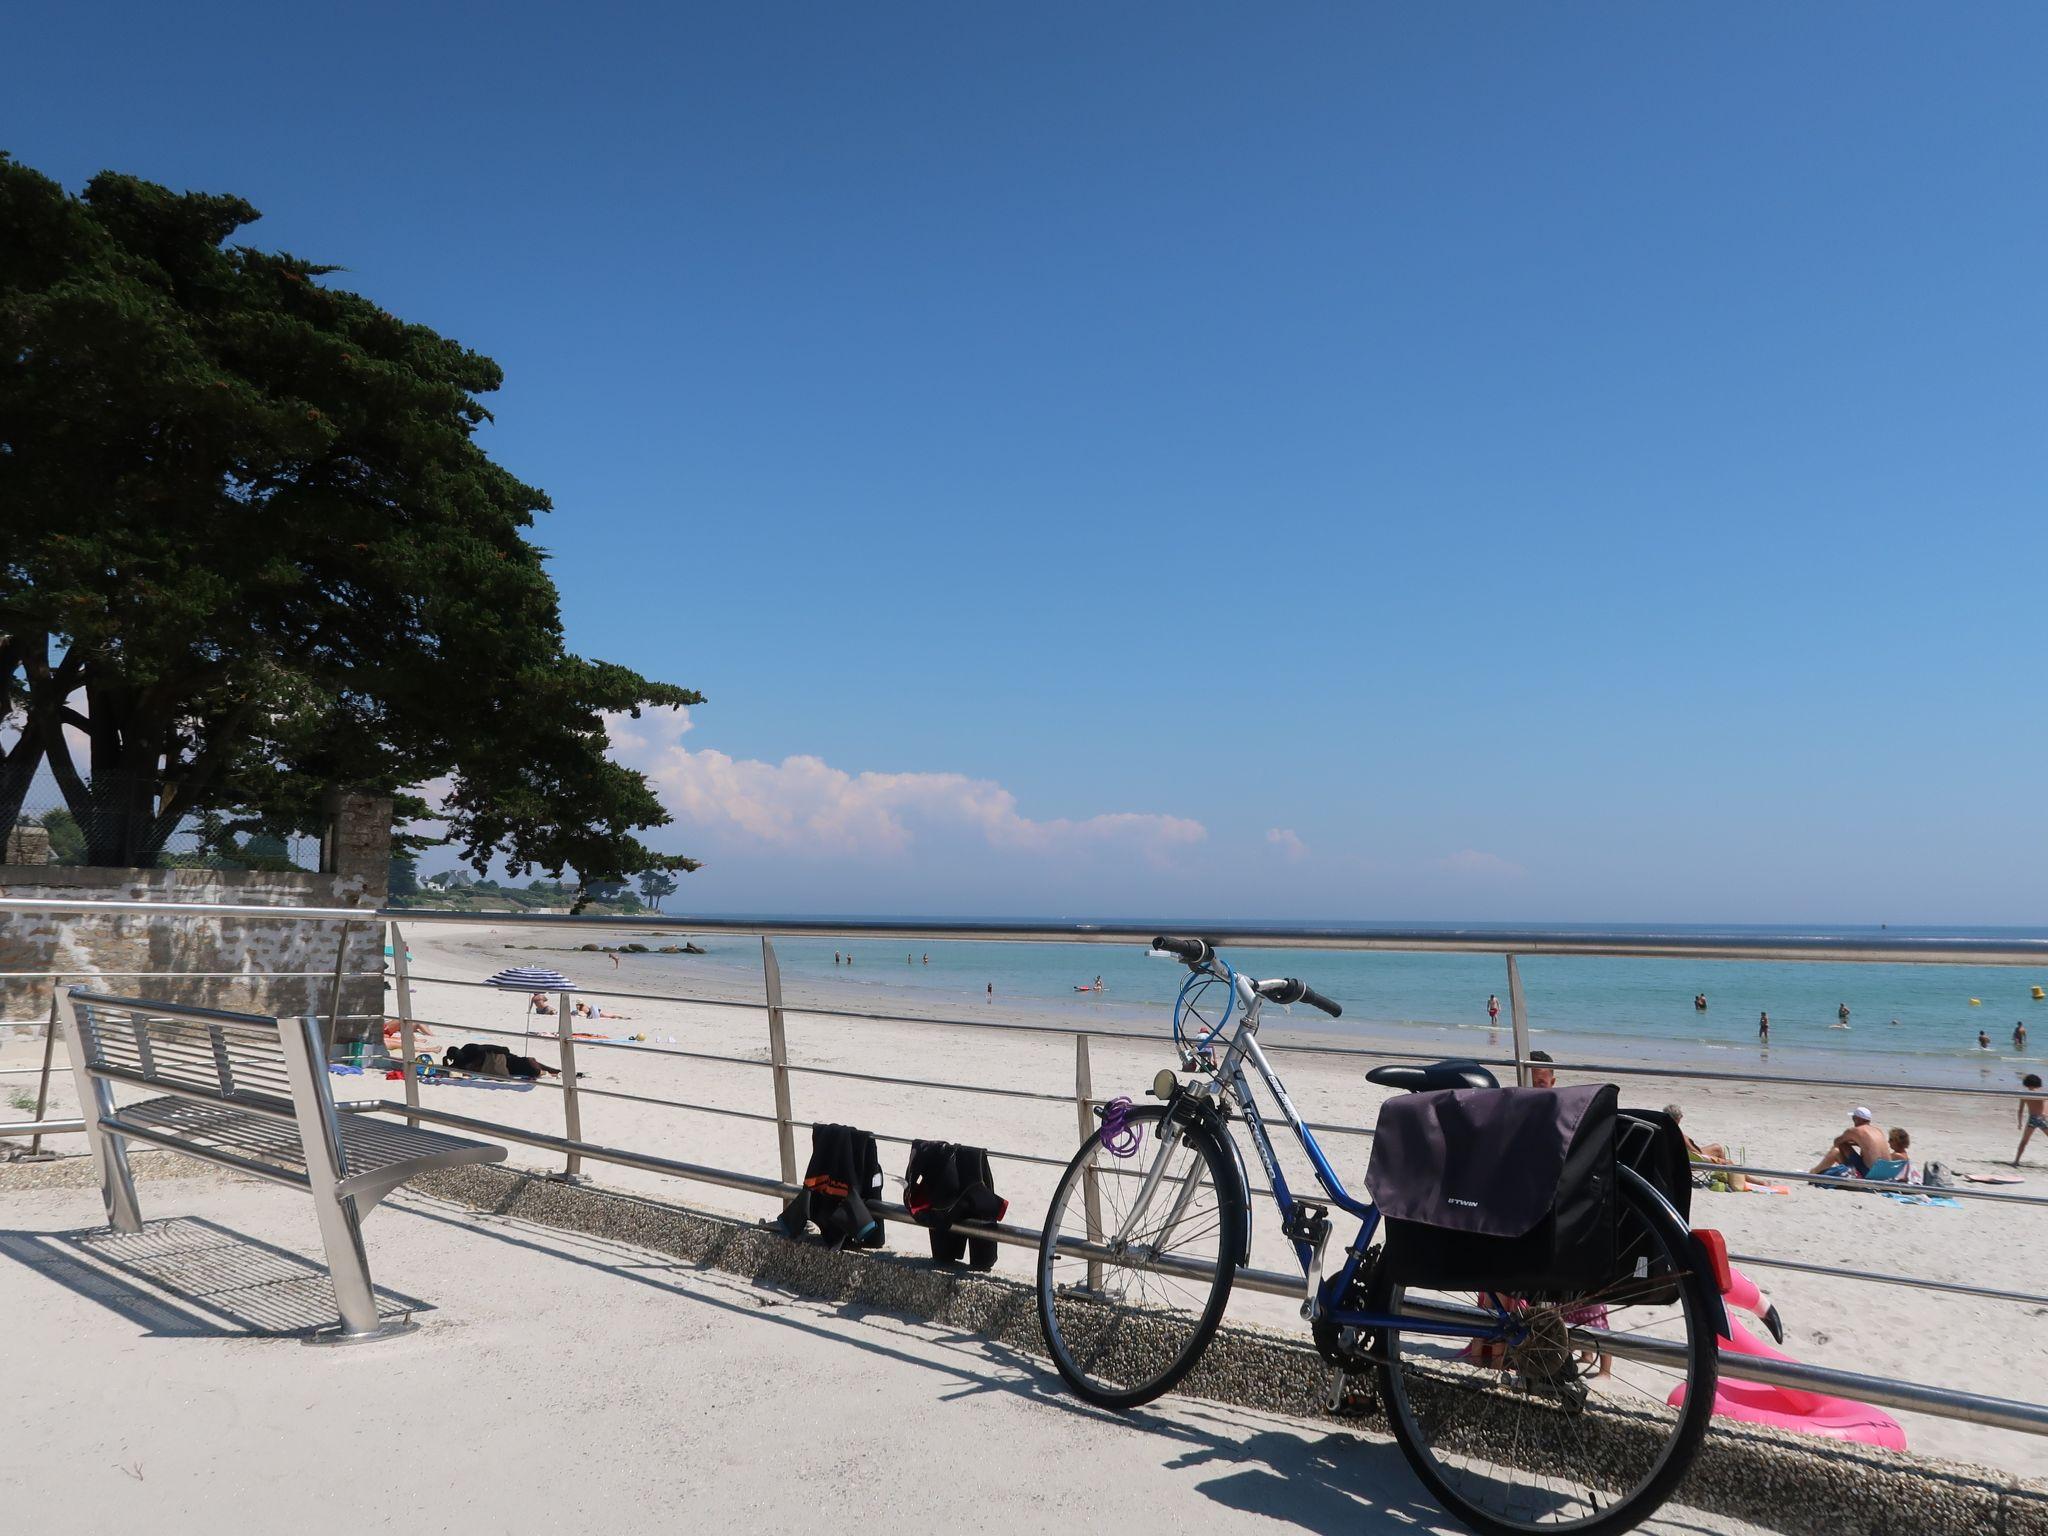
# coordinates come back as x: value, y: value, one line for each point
x: 531, y: 978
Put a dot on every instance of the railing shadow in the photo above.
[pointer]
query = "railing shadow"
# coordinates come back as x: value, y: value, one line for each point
x: 187, y: 1277
x: 1334, y: 1484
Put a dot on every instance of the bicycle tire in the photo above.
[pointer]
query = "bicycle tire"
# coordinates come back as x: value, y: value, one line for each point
x: 1702, y: 1365
x: 1130, y: 1387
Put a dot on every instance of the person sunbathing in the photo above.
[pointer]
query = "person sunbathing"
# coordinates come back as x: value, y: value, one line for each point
x: 1857, y: 1147
x: 1900, y: 1142
x: 1712, y: 1152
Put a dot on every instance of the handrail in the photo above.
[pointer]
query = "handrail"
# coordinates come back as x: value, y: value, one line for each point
x: 2031, y: 1418
x: 1271, y: 1047
x: 1487, y: 941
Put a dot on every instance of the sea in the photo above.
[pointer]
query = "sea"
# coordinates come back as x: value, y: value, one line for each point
x: 1911, y: 1022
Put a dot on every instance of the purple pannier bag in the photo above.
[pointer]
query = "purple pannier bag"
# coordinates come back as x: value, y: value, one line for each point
x: 1498, y: 1189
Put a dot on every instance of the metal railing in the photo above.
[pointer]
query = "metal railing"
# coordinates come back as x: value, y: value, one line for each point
x: 575, y: 1149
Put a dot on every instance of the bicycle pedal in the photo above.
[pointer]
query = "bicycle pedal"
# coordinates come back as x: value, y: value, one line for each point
x: 1307, y: 1223
x: 1350, y: 1396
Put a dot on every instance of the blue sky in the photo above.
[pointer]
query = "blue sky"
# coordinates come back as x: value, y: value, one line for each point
x: 1551, y: 462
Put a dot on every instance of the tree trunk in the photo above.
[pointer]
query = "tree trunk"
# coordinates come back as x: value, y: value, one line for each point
x: 17, y: 771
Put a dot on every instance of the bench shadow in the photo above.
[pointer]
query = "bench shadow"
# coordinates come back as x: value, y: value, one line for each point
x: 187, y: 1277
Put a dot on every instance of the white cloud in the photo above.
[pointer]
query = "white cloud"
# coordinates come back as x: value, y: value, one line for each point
x: 1470, y: 861
x: 804, y: 805
x: 1289, y: 842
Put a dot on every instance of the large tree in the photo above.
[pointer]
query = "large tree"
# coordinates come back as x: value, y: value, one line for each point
x: 251, y: 553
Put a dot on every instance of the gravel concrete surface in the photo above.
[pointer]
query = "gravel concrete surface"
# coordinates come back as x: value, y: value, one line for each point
x: 567, y: 1380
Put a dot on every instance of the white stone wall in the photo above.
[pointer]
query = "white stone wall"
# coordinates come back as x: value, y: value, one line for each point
x: 90, y: 948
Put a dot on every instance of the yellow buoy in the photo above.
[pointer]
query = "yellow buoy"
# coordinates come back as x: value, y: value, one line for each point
x: 1976, y: 1002
x: 2039, y: 994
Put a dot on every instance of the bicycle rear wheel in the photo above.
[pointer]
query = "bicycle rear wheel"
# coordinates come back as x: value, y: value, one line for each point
x: 1583, y: 1421
x: 1124, y: 1322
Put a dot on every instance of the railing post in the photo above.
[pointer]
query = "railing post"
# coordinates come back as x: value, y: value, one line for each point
x: 1091, y: 1198
x: 1518, y: 1011
x: 778, y: 1060
x: 406, y: 1044
x: 36, y: 1154
x: 334, y: 1001
x: 572, y: 1112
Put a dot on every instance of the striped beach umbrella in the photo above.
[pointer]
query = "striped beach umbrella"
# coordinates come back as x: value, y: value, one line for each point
x: 531, y: 978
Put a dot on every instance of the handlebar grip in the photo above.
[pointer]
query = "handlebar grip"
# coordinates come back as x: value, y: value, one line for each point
x: 1287, y: 991
x: 1190, y: 951
x: 1316, y: 999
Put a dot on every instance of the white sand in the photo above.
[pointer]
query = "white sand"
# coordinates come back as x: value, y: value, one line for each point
x: 1992, y: 1347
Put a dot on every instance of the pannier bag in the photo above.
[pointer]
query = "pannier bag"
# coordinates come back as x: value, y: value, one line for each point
x: 844, y: 1174
x: 1650, y: 1142
x: 1498, y: 1189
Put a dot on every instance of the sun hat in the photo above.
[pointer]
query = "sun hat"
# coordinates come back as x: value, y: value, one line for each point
x: 1859, y: 1113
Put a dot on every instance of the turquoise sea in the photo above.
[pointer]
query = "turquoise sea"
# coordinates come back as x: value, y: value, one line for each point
x: 1913, y: 1019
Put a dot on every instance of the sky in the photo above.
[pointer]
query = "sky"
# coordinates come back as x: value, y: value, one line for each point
x: 1573, y: 462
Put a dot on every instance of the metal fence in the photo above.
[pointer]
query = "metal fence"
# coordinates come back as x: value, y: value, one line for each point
x: 575, y: 1150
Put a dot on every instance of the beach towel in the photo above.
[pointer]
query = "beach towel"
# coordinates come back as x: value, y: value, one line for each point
x: 1904, y: 1199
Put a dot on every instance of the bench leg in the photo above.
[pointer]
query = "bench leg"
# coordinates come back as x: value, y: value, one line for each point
x: 341, y: 1232
x: 109, y: 1151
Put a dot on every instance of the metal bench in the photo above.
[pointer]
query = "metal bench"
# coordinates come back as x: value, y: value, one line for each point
x: 251, y: 1093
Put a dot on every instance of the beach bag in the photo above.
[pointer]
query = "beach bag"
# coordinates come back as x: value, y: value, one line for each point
x: 1498, y: 1189
x: 1650, y: 1142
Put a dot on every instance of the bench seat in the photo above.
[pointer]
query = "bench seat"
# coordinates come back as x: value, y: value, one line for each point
x: 378, y: 1155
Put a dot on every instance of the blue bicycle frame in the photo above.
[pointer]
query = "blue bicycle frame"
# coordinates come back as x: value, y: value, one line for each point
x: 1321, y: 1292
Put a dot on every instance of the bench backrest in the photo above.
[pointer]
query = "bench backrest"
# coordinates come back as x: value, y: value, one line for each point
x: 243, y: 1059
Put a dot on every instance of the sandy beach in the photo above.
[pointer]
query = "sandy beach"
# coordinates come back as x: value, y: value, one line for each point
x: 1993, y: 1347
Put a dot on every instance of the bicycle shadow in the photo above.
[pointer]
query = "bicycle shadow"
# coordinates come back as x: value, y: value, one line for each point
x: 1332, y: 1482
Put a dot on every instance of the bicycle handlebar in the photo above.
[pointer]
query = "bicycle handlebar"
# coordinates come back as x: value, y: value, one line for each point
x: 1286, y: 989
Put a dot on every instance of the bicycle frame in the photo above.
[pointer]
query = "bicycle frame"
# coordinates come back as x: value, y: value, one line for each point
x: 1321, y: 1292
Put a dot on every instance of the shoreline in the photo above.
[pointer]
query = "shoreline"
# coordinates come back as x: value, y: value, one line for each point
x: 729, y: 978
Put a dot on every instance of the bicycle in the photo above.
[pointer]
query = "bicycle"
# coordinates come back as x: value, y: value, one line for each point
x: 1518, y: 1412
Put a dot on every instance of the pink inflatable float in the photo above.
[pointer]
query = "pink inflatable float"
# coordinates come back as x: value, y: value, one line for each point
x: 1811, y: 1413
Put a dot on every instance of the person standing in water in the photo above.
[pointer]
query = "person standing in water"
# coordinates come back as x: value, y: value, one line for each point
x: 1763, y: 1028
x: 1842, y: 1014
x: 1492, y: 1010
x: 1983, y: 1041
x: 2019, y: 1035
x: 2033, y: 1114
x: 1699, y: 1002
x: 991, y: 991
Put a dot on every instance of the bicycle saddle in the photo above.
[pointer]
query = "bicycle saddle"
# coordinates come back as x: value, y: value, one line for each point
x: 1438, y: 1074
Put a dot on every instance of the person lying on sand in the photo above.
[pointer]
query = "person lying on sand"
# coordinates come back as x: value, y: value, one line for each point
x: 1857, y: 1147
x: 1712, y: 1152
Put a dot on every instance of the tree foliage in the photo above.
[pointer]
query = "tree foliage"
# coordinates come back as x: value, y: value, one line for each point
x: 254, y: 553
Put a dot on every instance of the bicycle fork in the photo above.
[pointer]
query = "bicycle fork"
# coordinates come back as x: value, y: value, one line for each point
x: 1184, y: 1192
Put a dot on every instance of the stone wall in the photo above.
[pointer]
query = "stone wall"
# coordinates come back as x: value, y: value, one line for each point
x: 255, y: 953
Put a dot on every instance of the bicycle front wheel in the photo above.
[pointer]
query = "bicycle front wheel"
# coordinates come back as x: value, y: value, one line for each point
x: 1129, y: 1295
x: 1584, y: 1411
